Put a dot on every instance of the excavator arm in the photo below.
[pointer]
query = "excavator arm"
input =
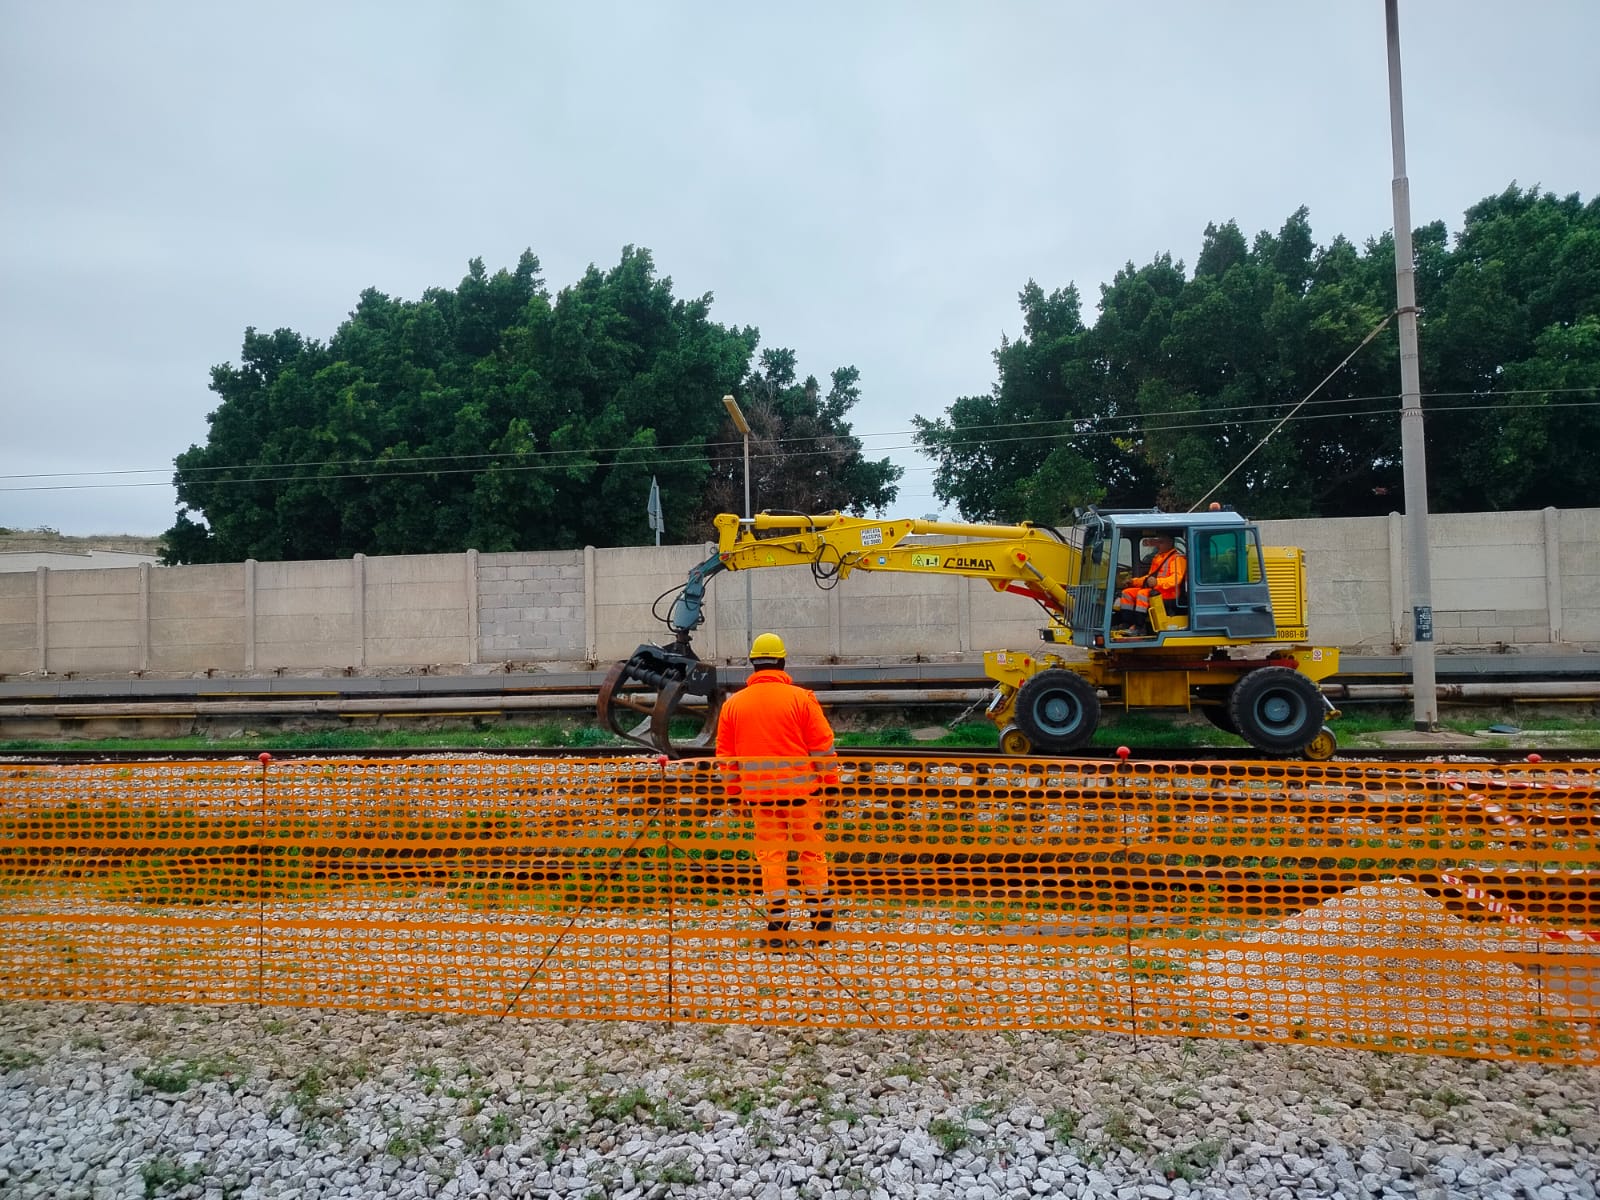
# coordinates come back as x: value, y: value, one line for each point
x: 1027, y: 559
x: 668, y: 686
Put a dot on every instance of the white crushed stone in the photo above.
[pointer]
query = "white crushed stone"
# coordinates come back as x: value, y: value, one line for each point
x: 114, y: 1101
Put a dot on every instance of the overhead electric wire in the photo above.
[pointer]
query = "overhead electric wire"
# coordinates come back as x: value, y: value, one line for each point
x: 1376, y: 329
x: 1133, y: 425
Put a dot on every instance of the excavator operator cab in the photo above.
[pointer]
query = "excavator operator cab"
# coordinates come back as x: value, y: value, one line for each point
x: 1223, y: 592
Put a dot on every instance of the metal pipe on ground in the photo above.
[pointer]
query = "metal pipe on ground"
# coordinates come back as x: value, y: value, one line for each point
x: 578, y: 701
x: 1554, y: 690
x: 436, y: 704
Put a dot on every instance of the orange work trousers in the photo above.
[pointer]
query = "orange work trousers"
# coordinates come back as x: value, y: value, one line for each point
x: 782, y: 828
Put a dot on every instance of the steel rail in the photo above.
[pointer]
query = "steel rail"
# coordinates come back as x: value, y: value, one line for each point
x: 1177, y: 754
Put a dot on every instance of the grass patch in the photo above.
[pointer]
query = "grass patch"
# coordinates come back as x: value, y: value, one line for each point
x: 176, y: 1076
x: 1063, y: 1122
x: 1152, y: 730
x: 951, y: 1134
x: 498, y: 1130
x: 1192, y: 1162
x: 163, y: 1172
x: 619, y: 1106
x: 12, y: 1059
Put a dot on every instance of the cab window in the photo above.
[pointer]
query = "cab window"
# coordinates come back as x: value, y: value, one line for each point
x: 1227, y: 556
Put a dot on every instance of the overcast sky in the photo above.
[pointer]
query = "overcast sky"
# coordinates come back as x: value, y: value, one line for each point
x: 869, y: 184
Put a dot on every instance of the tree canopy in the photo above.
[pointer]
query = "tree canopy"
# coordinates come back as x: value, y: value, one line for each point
x: 1182, y: 375
x: 495, y: 417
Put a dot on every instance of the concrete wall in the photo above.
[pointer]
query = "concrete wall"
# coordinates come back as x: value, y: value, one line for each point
x: 1576, y: 573
x: 531, y: 606
x: 1519, y: 578
x: 197, y: 619
x: 94, y: 620
x: 21, y: 623
x: 1526, y: 579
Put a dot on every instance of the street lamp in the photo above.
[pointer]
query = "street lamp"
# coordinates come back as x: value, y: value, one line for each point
x: 743, y: 426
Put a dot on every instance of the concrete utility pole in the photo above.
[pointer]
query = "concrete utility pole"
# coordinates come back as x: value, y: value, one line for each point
x: 1413, y: 449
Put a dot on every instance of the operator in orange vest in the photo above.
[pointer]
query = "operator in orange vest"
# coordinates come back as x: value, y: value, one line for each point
x: 776, y: 752
x: 1163, y: 576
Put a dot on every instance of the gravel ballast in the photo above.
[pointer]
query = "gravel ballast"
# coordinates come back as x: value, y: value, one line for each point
x: 129, y: 1101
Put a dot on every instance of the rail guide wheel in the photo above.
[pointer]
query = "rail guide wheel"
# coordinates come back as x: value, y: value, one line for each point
x: 1014, y: 741
x: 1323, y: 746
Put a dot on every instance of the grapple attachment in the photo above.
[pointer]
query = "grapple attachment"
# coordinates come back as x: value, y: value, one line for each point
x: 659, y: 686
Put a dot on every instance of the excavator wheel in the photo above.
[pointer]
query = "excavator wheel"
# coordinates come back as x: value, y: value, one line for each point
x: 1014, y: 741
x: 1277, y: 709
x: 1057, y: 711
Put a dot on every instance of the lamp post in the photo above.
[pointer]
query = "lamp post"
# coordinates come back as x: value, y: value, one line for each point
x: 743, y: 426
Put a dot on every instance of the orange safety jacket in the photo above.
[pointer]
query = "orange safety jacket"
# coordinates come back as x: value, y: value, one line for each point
x: 1165, y: 574
x: 766, y: 737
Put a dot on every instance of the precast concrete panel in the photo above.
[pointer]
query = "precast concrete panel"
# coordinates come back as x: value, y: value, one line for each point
x: 196, y: 644
x: 1484, y: 529
x: 415, y: 610
x: 803, y: 619
x: 1347, y: 577
x: 305, y: 640
x: 19, y: 626
x: 1579, y: 556
x: 93, y: 621
x: 180, y: 606
x: 627, y: 582
x: 303, y: 602
x: 197, y: 618
x: 1515, y: 578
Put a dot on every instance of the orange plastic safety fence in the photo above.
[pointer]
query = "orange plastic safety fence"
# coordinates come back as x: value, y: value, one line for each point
x: 1427, y: 907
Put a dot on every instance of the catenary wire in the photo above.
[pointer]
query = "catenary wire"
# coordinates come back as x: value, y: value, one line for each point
x: 1133, y: 429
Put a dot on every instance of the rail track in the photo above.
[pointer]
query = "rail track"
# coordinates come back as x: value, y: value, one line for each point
x: 1467, y: 754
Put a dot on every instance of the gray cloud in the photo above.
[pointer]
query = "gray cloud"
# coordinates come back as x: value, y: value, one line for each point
x: 868, y: 184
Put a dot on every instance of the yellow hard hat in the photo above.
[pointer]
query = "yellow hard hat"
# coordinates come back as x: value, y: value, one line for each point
x: 768, y: 645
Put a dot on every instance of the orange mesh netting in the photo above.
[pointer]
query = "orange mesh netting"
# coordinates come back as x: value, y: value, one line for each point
x: 1434, y: 907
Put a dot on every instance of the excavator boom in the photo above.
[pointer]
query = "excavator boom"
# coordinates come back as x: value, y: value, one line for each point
x: 651, y: 696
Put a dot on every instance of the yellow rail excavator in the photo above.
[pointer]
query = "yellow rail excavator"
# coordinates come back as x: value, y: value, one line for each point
x: 1231, y: 642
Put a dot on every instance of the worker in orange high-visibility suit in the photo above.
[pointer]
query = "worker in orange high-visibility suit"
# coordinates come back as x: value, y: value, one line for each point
x: 775, y: 749
x: 1163, y: 576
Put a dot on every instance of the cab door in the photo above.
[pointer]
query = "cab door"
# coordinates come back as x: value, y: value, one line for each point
x: 1228, y: 593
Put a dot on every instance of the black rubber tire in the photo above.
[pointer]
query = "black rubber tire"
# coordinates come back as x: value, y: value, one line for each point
x: 1218, y: 713
x: 1277, y: 709
x: 1057, y: 711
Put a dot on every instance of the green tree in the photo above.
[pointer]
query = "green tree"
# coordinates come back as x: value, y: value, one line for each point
x: 1179, y: 380
x: 492, y: 416
x: 1507, y: 353
x: 803, y: 457
x: 1037, y: 444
